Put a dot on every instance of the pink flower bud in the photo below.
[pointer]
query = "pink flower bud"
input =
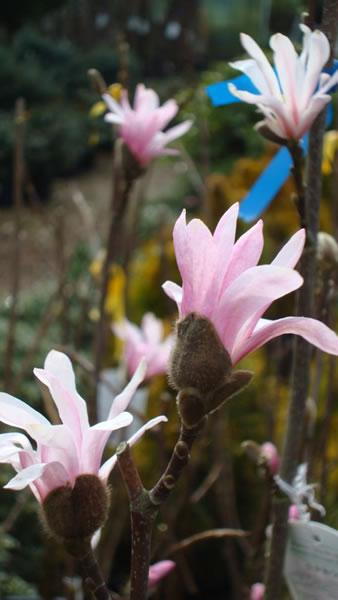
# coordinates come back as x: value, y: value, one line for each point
x: 269, y: 453
x: 257, y: 591
x: 294, y: 514
x: 158, y: 571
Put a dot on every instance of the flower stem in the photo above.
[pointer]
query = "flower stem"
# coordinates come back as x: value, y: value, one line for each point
x: 308, y: 206
x: 92, y: 576
x: 122, y: 183
x: 145, y: 504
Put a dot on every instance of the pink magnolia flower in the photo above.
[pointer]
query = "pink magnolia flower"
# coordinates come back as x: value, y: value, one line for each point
x: 257, y: 591
x: 294, y: 513
x: 145, y: 341
x: 65, y: 451
x: 141, y: 126
x: 158, y: 571
x: 294, y: 93
x: 221, y: 281
x: 270, y: 454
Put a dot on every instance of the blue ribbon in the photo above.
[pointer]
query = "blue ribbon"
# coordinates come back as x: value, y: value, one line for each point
x: 277, y: 172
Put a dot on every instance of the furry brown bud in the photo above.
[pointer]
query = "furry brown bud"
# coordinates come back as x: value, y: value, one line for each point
x: 76, y: 513
x: 200, y: 368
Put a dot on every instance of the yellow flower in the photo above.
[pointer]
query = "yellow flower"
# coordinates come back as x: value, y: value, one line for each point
x: 330, y: 148
x: 99, y: 108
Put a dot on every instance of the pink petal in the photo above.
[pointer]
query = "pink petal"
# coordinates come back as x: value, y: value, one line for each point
x: 71, y: 407
x: 291, y: 252
x: 248, y: 297
x: 177, y: 131
x: 315, y: 106
x: 174, y: 292
x: 318, y: 55
x: 158, y: 571
x: 285, y: 58
x: 122, y: 420
x: 121, y: 401
x: 152, y: 329
x: 53, y: 475
x: 107, y: 466
x: 245, y: 253
x: 313, y: 331
x: 17, y: 413
x: 258, y: 55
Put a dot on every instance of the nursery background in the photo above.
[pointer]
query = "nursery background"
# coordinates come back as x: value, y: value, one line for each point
x: 56, y: 175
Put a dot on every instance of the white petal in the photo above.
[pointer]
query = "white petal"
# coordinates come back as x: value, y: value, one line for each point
x: 121, y: 401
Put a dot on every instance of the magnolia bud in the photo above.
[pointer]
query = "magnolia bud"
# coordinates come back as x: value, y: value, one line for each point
x: 199, y: 359
x: 294, y: 513
x: 270, y: 456
x: 257, y: 591
x: 158, y: 571
x: 327, y: 251
x: 74, y: 514
x: 200, y: 368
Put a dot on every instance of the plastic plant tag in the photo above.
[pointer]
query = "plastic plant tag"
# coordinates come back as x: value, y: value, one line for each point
x: 311, y: 562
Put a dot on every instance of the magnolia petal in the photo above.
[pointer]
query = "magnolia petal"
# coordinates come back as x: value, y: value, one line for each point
x: 318, y: 55
x: 122, y: 400
x: 285, y: 58
x: 291, y: 252
x: 15, y: 438
x: 245, y: 253
x: 52, y: 475
x: 258, y: 55
x: 174, y: 292
x: 152, y: 329
x: 114, y: 106
x: 107, y: 466
x: 202, y: 255
x: 16, y: 413
x: 252, y: 292
x: 315, y: 106
x: 112, y: 118
x: 122, y: 420
x: 177, y: 131
x: 71, y: 407
x: 313, y: 331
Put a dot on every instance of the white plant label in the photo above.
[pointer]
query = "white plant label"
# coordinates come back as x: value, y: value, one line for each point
x: 311, y: 562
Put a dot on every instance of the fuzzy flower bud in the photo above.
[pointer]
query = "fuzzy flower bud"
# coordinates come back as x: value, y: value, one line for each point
x: 257, y: 591
x: 158, y: 571
x: 327, y: 251
x: 200, y: 367
x: 269, y: 454
x: 74, y: 514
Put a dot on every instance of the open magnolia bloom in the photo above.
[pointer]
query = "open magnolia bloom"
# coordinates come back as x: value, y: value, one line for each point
x: 222, y: 283
x: 66, y: 451
x: 292, y: 94
x: 145, y: 341
x: 141, y: 126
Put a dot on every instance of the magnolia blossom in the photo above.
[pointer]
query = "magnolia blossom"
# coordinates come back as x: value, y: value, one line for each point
x: 257, y: 591
x: 146, y: 341
x: 62, y: 452
x: 221, y: 281
x: 159, y: 570
x: 141, y: 126
x: 292, y: 94
x: 270, y: 455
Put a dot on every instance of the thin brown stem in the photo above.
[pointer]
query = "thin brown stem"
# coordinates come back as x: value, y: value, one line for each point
x: 122, y: 184
x: 92, y: 576
x: 291, y: 454
x: 144, y: 504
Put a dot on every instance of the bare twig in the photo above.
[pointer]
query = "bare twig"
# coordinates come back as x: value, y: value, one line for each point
x: 206, y: 535
x: 302, y: 350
